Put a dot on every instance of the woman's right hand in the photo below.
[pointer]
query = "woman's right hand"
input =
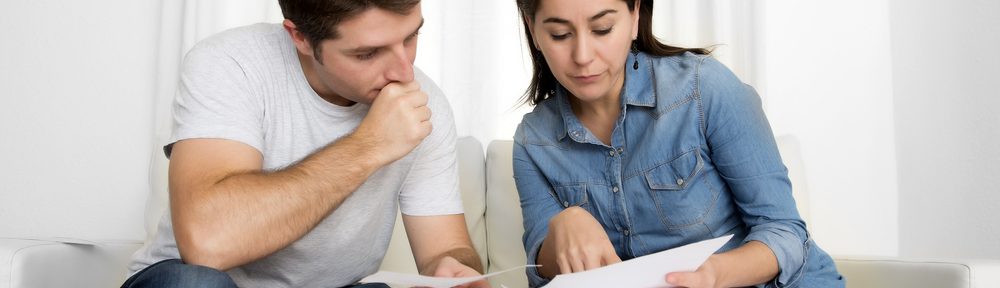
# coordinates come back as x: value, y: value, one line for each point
x: 575, y: 242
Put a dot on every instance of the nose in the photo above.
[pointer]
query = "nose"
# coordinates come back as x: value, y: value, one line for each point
x: 400, y: 66
x: 583, y: 53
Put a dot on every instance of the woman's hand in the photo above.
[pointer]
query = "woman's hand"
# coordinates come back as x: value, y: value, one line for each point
x: 575, y: 242
x: 748, y: 265
x: 705, y: 277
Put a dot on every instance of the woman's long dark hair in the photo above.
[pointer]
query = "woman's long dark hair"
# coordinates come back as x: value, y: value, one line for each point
x: 543, y: 83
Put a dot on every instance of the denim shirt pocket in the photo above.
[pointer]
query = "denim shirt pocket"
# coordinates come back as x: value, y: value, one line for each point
x: 571, y: 195
x: 679, y: 200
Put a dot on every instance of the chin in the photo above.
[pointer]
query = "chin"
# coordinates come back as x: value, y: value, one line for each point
x: 587, y: 94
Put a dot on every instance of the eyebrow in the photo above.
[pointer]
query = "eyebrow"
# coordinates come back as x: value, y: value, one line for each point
x: 592, y: 18
x: 370, y: 48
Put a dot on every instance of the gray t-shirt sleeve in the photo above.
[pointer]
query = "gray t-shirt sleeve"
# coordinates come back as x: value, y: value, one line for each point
x: 214, y: 100
x: 431, y: 186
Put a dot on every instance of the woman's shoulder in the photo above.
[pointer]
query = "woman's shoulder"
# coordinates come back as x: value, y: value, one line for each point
x: 541, y: 125
x: 693, y: 75
x: 690, y: 64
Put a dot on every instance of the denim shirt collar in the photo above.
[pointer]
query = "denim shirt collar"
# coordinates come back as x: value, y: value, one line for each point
x: 637, y: 91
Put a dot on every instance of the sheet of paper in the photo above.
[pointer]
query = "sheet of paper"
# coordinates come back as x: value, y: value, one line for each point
x: 645, y: 271
x: 411, y: 280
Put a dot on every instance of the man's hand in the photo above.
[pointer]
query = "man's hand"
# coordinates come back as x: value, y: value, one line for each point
x: 396, y: 123
x: 451, y: 268
x: 575, y: 242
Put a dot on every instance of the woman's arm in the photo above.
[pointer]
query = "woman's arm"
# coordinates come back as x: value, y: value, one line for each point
x: 743, y: 150
x: 750, y: 264
x: 561, y: 239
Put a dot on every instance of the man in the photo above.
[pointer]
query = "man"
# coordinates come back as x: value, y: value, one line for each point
x: 292, y: 145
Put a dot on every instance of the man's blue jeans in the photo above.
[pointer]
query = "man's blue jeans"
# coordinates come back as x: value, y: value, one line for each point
x: 174, y: 274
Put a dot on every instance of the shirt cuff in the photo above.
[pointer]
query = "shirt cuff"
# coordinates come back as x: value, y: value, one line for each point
x: 534, y: 278
x: 789, y: 250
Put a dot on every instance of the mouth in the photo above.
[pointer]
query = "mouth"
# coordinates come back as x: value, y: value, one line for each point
x: 586, y: 79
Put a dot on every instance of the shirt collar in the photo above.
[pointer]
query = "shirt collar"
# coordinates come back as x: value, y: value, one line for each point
x: 638, y: 88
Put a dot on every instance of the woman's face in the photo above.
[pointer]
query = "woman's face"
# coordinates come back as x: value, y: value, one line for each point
x: 585, y: 43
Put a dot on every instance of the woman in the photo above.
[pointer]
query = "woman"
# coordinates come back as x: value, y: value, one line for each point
x: 635, y: 147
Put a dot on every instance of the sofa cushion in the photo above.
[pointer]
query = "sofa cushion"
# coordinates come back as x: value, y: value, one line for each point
x: 503, y: 217
x: 864, y: 272
x: 44, y: 263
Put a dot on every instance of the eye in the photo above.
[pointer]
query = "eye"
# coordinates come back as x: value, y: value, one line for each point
x: 603, y: 32
x: 558, y: 37
x: 412, y: 36
x: 366, y: 56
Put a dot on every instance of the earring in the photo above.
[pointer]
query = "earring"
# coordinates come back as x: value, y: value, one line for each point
x: 635, y: 56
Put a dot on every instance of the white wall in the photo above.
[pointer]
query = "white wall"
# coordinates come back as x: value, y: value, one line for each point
x: 75, y: 85
x: 946, y: 75
x: 829, y: 82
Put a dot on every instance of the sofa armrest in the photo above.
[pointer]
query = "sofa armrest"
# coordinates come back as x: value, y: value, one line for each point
x: 43, y: 263
x: 870, y: 271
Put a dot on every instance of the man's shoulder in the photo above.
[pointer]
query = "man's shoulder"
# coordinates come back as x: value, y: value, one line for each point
x: 261, y: 36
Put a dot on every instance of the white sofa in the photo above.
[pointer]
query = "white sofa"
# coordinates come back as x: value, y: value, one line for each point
x: 493, y: 216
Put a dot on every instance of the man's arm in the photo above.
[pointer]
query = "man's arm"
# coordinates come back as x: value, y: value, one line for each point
x: 228, y: 212
x: 433, y: 238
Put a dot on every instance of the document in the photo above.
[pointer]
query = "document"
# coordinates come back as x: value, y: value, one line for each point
x: 410, y: 280
x: 646, y: 271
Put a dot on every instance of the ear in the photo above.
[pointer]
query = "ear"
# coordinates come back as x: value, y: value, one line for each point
x: 528, y: 25
x: 635, y: 19
x: 301, y: 43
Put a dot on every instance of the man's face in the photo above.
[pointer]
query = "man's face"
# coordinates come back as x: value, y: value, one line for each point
x: 375, y: 48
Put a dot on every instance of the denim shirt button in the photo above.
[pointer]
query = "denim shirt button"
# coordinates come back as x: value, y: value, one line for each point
x: 680, y: 181
x: 620, y: 150
x: 626, y: 232
x: 615, y: 189
x: 611, y: 153
x: 566, y: 204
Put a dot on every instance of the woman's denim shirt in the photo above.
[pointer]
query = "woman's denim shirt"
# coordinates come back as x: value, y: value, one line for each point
x: 691, y: 158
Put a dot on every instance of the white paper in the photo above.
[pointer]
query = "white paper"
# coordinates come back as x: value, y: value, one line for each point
x: 646, y: 271
x: 427, y: 281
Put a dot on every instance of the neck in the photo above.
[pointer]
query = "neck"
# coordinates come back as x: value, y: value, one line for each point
x: 599, y: 115
x: 606, y: 108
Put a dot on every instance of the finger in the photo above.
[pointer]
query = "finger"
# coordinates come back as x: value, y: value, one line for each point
x: 426, y: 128
x: 393, y: 88
x: 480, y: 284
x: 410, y: 86
x: 423, y: 113
x: 592, y: 262
x: 564, y: 267
x: 417, y: 99
x: 611, y: 258
x: 576, y: 263
x: 683, y: 279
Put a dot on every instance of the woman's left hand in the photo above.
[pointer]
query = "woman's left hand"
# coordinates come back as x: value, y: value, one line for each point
x: 705, y: 277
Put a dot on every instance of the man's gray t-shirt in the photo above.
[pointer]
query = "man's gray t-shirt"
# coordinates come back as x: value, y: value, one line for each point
x: 247, y: 85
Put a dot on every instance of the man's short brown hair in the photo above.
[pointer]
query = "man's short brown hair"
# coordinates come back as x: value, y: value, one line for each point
x: 318, y: 19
